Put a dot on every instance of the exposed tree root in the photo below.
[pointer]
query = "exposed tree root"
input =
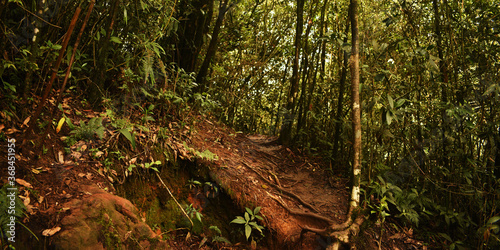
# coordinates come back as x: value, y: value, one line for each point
x: 341, y: 232
x: 299, y: 213
x: 304, y: 203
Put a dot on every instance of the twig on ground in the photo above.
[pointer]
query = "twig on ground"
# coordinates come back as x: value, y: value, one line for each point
x: 182, y: 209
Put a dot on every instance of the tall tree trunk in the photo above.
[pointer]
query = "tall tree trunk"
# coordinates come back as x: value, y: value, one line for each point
x: 311, y: 88
x: 351, y: 226
x: 192, y: 30
x: 212, y: 47
x: 305, y: 73
x: 280, y: 96
x: 286, y: 129
x: 340, y: 102
x: 356, y: 108
x: 443, y: 78
x: 96, y: 88
x: 323, y: 43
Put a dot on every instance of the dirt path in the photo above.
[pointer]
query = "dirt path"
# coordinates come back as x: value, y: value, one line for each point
x: 293, y: 191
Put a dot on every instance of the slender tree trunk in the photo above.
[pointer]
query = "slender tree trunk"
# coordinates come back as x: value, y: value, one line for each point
x: 280, y: 96
x: 443, y: 78
x: 323, y: 43
x: 212, y: 47
x: 351, y: 226
x: 286, y: 129
x: 97, y: 86
x: 356, y: 107
x: 305, y: 73
x: 310, y: 91
x: 192, y: 29
x: 340, y: 102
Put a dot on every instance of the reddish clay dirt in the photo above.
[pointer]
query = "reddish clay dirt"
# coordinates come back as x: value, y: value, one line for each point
x: 294, y: 191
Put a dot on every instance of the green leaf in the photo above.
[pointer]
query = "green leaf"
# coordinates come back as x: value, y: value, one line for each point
x: 249, y: 211
x: 100, y: 132
x: 221, y: 239
x: 116, y: 39
x: 125, y: 16
x: 391, y: 101
x: 247, y: 217
x: 400, y: 103
x: 129, y: 136
x: 256, y: 210
x: 70, y: 124
x: 248, y: 231
x: 256, y: 226
x: 447, y: 237
x: 492, y: 88
x: 388, y: 117
x: 239, y: 220
x: 493, y: 219
x: 379, y: 77
x: 433, y: 62
x: 130, y: 167
x: 9, y: 86
x: 216, y: 229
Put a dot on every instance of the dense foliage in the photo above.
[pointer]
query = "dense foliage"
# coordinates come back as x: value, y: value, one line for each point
x: 429, y: 86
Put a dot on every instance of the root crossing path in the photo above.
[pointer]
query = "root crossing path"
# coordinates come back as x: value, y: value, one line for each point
x: 293, y: 190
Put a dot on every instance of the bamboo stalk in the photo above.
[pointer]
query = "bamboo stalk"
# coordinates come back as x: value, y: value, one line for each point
x: 48, y: 88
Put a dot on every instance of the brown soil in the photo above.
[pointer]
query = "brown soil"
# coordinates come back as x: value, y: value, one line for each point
x: 293, y: 189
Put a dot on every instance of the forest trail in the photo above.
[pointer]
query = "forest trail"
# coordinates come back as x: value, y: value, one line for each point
x: 293, y: 190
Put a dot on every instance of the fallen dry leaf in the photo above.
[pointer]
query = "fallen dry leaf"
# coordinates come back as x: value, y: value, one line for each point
x: 23, y: 183
x: 26, y: 201
x: 60, y: 157
x: 133, y: 160
x: 29, y: 209
x: 26, y: 121
x: 89, y: 176
x: 60, y: 124
x: 11, y: 131
x: 76, y: 154
x: 50, y: 232
x: 2, y: 126
x: 397, y: 236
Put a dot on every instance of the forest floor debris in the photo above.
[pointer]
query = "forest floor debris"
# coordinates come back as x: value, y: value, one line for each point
x: 294, y: 190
